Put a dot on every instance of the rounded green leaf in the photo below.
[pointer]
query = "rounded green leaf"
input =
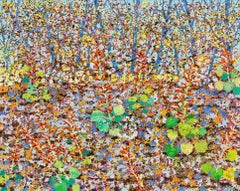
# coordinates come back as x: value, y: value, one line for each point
x: 234, y: 74
x: 58, y: 164
x: 228, y: 86
x: 216, y: 173
x: 201, y: 146
x: 224, y: 76
x: 60, y: 186
x: 118, y: 118
x: 103, y: 127
x: 33, y: 98
x: 97, y: 116
x: 206, y: 167
x: 69, y: 141
x: 70, y: 181
x: 190, y: 116
x: 171, y: 150
x: 236, y: 81
x: 171, y: 134
x: 114, y: 132
x: 232, y: 155
x: 219, y: 72
x: 184, y: 129
x: 186, y: 148
x: 202, y: 131
x: 171, y: 122
x: 236, y: 90
x: 143, y: 98
x: 76, y: 187
x: 119, y: 110
x: 74, y: 173
x: 219, y: 85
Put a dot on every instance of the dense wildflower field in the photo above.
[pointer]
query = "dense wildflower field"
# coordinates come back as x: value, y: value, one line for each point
x: 106, y: 95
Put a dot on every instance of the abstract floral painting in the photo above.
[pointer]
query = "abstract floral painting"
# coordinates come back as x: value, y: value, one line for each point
x: 119, y: 95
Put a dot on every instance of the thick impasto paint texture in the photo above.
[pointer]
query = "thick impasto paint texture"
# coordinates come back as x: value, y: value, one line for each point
x: 118, y: 95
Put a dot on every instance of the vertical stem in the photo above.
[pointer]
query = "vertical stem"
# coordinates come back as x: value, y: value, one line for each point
x: 164, y: 33
x: 135, y: 31
x: 211, y: 64
x: 191, y: 23
x: 227, y: 14
x: 175, y: 54
x: 6, y: 58
x: 89, y: 55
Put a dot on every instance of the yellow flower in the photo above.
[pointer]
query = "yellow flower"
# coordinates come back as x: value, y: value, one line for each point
x: 113, y: 78
x: 65, y: 68
x: 229, y: 174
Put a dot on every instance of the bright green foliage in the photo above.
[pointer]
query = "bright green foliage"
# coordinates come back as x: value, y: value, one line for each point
x: 171, y: 134
x: 216, y: 173
x: 103, y: 127
x: 184, y: 129
x: 228, y: 86
x: 186, y: 148
x: 74, y: 173
x: 18, y: 177
x: 132, y: 99
x: 60, y: 186
x: 206, y: 167
x: 97, y: 116
x: 75, y: 187
x: 201, y: 146
x: 58, y: 164
x: 26, y: 80
x: 46, y: 97
x: 143, y: 98
x: 86, y: 152
x: 202, y: 131
x: 232, y: 155
x: 114, y: 132
x: 87, y: 161
x: 171, y: 122
x: 224, y: 76
x: 119, y: 110
x: 171, y: 150
x: 192, y: 121
x: 236, y: 90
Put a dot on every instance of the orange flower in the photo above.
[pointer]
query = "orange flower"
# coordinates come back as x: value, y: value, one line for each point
x: 217, y: 119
